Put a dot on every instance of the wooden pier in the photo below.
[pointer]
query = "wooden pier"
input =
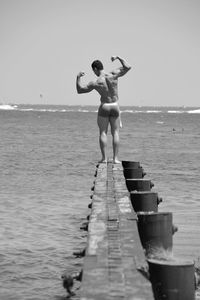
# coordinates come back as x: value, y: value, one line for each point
x: 114, y: 258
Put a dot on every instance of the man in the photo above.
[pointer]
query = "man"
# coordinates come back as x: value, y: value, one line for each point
x: 107, y: 86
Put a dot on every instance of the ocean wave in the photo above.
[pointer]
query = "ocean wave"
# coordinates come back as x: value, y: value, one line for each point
x: 195, y: 111
x: 8, y: 107
x: 44, y: 110
x: 176, y: 111
x: 140, y: 111
x: 94, y: 109
x: 153, y: 111
x: 56, y: 110
x: 127, y: 111
x: 83, y: 110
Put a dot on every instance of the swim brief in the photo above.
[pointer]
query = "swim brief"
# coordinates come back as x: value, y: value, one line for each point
x: 107, y: 110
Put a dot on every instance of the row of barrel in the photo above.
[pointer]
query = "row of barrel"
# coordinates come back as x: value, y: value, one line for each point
x: 171, y: 278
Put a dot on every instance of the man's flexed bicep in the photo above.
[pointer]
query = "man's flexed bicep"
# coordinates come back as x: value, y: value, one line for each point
x: 83, y: 88
x: 123, y: 69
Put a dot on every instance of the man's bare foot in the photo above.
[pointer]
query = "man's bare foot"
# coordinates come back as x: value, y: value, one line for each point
x: 102, y: 161
x: 116, y: 161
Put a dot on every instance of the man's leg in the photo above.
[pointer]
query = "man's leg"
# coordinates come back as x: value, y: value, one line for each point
x: 103, y: 129
x: 115, y: 124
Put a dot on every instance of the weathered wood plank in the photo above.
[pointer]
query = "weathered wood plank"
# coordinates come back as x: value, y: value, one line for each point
x: 114, y: 253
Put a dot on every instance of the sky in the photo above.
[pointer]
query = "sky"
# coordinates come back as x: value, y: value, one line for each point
x: 45, y: 43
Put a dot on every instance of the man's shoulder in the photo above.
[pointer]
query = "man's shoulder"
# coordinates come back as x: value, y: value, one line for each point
x: 94, y: 84
x: 113, y: 74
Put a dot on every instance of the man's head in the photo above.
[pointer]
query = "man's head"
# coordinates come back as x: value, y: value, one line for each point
x: 97, y: 67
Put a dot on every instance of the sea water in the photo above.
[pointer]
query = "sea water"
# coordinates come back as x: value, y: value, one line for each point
x: 48, y: 156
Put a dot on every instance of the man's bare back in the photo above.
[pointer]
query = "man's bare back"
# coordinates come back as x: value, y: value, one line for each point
x: 107, y: 86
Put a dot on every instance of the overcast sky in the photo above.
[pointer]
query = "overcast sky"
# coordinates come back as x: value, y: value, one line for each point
x: 45, y: 43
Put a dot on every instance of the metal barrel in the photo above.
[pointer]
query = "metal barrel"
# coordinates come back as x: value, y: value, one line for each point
x: 134, y: 173
x: 130, y: 164
x: 139, y: 185
x: 172, y: 279
x: 155, y: 230
x: 145, y: 201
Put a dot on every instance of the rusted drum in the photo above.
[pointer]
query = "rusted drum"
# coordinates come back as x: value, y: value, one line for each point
x: 145, y: 201
x: 155, y: 230
x: 130, y: 164
x: 139, y: 185
x: 134, y: 173
x: 172, y: 279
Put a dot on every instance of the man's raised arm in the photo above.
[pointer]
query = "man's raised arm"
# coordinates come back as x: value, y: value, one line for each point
x: 83, y: 88
x: 122, y: 70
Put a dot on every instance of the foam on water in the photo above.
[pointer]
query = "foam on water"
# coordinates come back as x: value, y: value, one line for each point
x: 7, y: 107
x: 94, y: 109
x: 196, y: 111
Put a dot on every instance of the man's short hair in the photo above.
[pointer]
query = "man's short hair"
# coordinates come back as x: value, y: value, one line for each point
x: 97, y: 64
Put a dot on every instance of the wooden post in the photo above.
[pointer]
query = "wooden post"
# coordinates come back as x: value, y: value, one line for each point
x: 130, y: 173
x: 145, y: 201
x: 130, y: 164
x: 155, y: 231
x: 139, y: 184
x: 172, y: 280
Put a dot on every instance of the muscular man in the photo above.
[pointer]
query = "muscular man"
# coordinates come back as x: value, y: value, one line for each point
x: 107, y: 86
